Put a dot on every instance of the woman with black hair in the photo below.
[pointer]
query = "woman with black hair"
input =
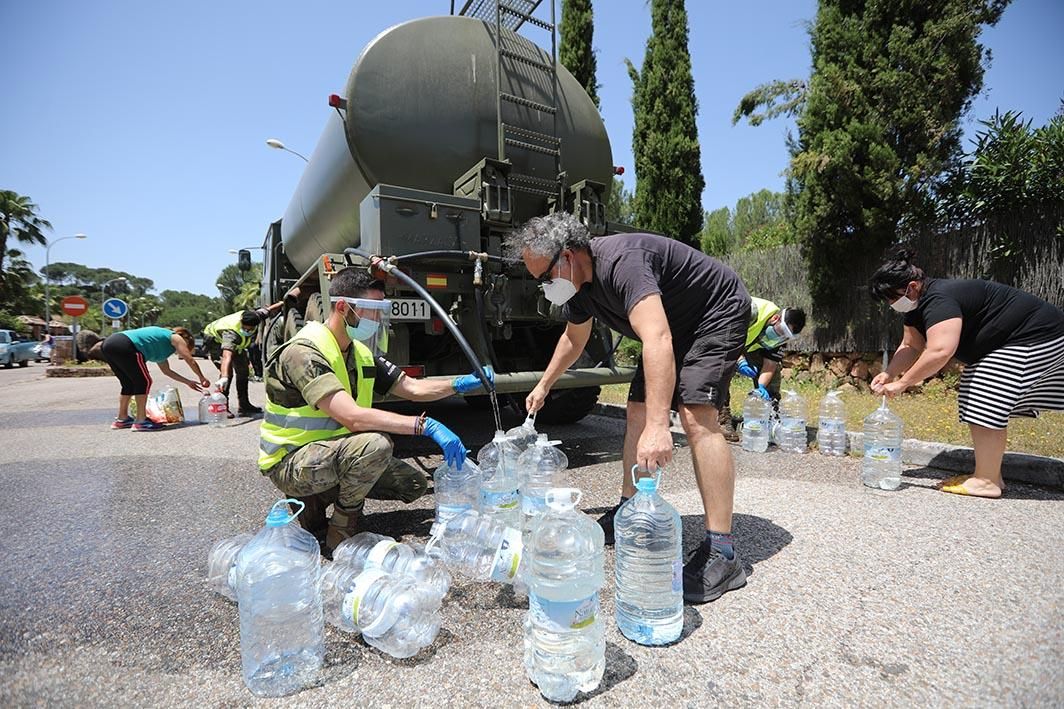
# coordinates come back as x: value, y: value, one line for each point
x: 1011, y: 343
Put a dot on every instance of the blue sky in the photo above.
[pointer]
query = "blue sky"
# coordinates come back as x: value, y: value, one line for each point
x: 142, y: 124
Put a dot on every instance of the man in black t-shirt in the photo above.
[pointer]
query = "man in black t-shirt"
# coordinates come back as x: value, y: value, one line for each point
x: 691, y: 313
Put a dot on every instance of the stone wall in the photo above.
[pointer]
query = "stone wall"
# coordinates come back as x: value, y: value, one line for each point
x: 844, y: 370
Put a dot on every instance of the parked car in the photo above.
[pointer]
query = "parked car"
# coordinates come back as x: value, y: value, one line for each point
x: 15, y: 350
x: 199, y: 348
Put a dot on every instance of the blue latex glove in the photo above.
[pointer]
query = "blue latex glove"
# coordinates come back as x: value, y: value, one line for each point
x: 453, y: 450
x: 746, y: 370
x: 760, y: 391
x: 471, y: 382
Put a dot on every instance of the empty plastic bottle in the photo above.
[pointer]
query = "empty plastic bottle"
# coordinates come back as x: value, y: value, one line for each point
x: 479, y: 547
x: 540, y: 468
x: 394, y: 613
x: 883, y: 432
x: 217, y: 409
x: 203, y: 409
x: 524, y: 435
x: 792, y: 435
x: 499, y: 486
x: 831, y: 427
x: 221, y: 560
x: 756, y: 423
x: 565, y: 644
x: 282, y: 634
x: 649, y: 568
x: 368, y: 550
x: 455, y: 491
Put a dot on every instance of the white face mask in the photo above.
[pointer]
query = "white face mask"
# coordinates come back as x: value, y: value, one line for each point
x: 560, y: 291
x: 903, y: 304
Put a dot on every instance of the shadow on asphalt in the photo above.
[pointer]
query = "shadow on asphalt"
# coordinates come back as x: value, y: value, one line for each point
x: 619, y: 667
x: 756, y: 538
x: 1013, y: 490
x: 51, y: 419
x: 400, y: 523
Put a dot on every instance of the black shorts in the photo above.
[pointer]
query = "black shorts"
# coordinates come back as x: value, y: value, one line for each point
x: 127, y: 363
x: 704, y: 365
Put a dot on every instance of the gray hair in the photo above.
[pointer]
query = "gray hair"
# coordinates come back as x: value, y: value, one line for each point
x: 545, y: 236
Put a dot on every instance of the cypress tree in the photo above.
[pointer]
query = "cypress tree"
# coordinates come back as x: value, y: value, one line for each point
x: 668, y: 159
x: 575, y: 51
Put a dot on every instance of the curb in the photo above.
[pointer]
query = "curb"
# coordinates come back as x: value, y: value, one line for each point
x: 1020, y: 467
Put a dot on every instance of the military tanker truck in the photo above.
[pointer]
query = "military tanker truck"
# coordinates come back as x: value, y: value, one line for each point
x: 451, y: 132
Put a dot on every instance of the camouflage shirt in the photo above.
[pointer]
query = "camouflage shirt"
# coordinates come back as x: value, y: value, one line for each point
x: 231, y: 340
x: 301, y: 375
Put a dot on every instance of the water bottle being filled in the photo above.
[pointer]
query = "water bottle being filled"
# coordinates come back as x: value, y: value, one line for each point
x: 883, y: 432
x: 831, y: 427
x: 565, y: 644
x: 524, y: 435
x: 221, y: 560
x: 756, y: 417
x: 367, y: 550
x: 217, y: 409
x: 282, y: 634
x: 479, y: 547
x: 540, y: 468
x: 455, y: 491
x: 792, y: 435
x: 499, y: 496
x: 394, y: 613
x: 649, y: 567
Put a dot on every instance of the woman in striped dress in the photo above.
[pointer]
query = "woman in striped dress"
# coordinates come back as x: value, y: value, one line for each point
x: 1011, y: 343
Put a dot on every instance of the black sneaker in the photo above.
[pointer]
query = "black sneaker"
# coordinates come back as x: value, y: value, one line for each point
x: 249, y: 411
x: 707, y: 575
x: 606, y: 522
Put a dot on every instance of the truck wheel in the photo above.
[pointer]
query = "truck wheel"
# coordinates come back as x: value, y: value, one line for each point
x: 314, y: 311
x: 273, y: 337
x: 568, y: 405
x: 293, y: 323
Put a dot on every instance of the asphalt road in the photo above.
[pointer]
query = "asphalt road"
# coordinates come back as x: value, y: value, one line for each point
x: 855, y: 597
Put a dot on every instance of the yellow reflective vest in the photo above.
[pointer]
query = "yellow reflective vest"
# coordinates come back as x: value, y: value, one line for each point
x: 229, y: 322
x: 284, y: 430
x: 760, y: 312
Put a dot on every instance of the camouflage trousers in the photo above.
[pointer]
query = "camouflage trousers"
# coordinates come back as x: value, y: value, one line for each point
x: 360, y: 464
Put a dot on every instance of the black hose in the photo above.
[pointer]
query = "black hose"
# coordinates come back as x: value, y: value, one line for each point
x: 382, y: 264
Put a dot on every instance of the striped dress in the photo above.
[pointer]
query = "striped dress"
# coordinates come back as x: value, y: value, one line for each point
x: 1015, y: 380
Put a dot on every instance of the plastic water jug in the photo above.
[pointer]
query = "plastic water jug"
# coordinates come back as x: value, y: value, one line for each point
x: 649, y: 567
x: 540, y: 468
x: 499, y: 486
x: 756, y: 423
x: 479, y: 547
x: 455, y: 491
x: 792, y: 435
x: 217, y: 409
x: 203, y: 409
x: 524, y: 435
x: 883, y: 432
x: 282, y: 641
x: 831, y: 427
x: 368, y: 550
x: 221, y: 560
x: 394, y: 613
x: 565, y: 644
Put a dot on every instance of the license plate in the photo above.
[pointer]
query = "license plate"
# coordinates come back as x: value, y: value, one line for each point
x: 410, y: 309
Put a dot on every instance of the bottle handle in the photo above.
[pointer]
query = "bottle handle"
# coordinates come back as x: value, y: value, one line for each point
x: 555, y: 498
x: 285, y: 502
x: 658, y: 474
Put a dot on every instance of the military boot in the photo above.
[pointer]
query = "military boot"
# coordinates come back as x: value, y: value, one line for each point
x: 314, y: 518
x: 342, y: 524
x: 727, y: 426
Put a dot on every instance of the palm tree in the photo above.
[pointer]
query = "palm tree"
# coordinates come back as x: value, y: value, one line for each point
x: 18, y: 219
x: 16, y: 283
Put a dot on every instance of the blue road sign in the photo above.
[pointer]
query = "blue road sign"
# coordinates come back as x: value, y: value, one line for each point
x: 115, y: 308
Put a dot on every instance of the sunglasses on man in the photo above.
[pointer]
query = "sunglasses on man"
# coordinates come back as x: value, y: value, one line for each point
x: 545, y: 277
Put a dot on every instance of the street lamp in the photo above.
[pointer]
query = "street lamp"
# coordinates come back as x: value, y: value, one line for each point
x: 103, y: 298
x: 47, y: 279
x: 278, y: 145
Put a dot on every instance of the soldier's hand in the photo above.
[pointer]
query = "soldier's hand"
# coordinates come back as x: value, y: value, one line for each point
x: 471, y: 382
x: 453, y: 451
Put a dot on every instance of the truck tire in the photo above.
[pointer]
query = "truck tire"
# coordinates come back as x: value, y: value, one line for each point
x: 314, y: 311
x: 568, y: 405
x: 273, y: 337
x: 293, y: 323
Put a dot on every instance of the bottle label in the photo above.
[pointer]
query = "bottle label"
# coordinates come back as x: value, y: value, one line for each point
x: 379, y: 551
x: 832, y: 426
x: 352, y: 603
x: 882, y: 454
x: 564, y: 615
x: 533, y: 505
x: 755, y: 425
x: 507, y: 556
x: 216, y: 408
x: 505, y: 500
x: 677, y: 576
x: 792, y: 424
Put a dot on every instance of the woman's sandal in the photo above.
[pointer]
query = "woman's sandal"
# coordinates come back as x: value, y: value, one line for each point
x: 955, y: 486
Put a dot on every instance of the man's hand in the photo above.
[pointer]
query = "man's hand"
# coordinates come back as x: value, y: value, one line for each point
x: 654, y: 449
x: 536, y: 397
x: 746, y: 370
x: 453, y: 451
x: 892, y: 389
x: 220, y: 384
x: 763, y: 392
x: 879, y: 381
x: 471, y: 382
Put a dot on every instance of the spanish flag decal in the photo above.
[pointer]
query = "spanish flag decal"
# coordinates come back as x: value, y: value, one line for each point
x: 436, y: 280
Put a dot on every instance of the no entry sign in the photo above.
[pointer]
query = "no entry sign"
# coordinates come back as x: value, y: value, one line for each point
x: 74, y: 306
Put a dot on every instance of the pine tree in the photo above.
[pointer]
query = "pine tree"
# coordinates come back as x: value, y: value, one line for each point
x: 668, y: 159
x: 575, y: 51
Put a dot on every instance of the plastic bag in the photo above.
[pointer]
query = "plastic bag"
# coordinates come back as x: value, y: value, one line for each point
x: 163, y: 407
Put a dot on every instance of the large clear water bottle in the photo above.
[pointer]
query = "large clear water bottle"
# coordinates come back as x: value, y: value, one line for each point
x: 217, y: 409
x: 369, y: 550
x: 282, y: 635
x: 524, y: 435
x: 831, y: 427
x: 221, y: 560
x: 499, y: 486
x: 883, y: 432
x: 394, y: 613
x: 756, y: 423
x: 792, y: 434
x: 455, y: 491
x: 479, y: 547
x: 649, y: 568
x: 565, y: 646
x: 540, y: 468
x: 203, y: 409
